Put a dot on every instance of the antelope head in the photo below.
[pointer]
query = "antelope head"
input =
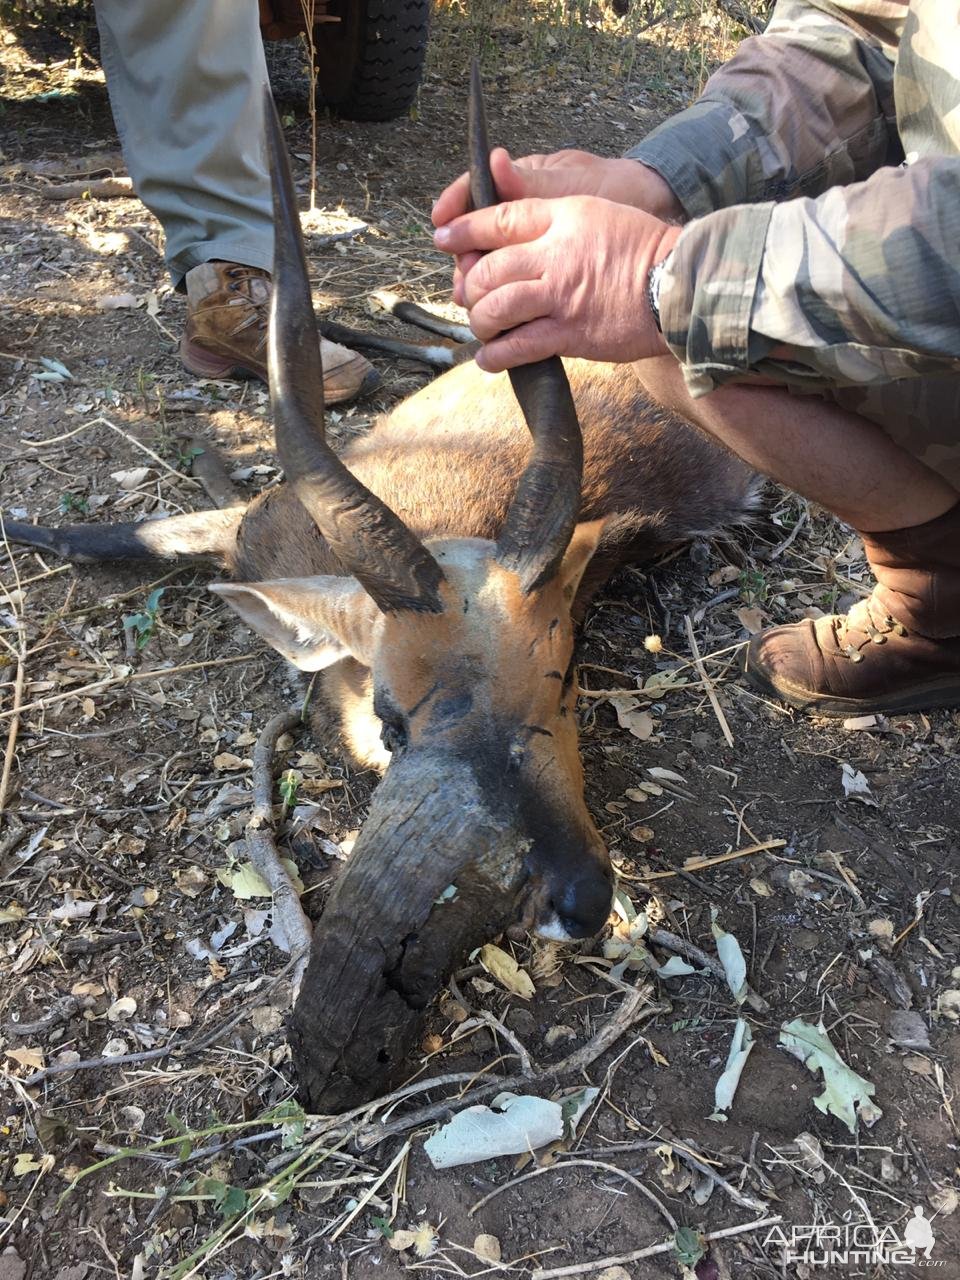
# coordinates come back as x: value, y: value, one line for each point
x: 469, y: 643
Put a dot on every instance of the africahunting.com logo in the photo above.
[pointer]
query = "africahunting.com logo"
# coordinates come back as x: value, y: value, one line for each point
x: 856, y: 1242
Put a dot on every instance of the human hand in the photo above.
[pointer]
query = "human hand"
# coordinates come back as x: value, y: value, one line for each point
x: 559, y: 277
x: 561, y: 173
x: 566, y: 173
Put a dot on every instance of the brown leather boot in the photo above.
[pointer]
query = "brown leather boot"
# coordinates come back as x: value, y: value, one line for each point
x: 226, y: 333
x: 898, y: 650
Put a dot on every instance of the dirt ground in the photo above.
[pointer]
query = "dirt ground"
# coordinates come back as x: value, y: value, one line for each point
x: 128, y: 793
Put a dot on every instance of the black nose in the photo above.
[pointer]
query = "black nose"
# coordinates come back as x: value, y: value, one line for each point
x: 582, y: 904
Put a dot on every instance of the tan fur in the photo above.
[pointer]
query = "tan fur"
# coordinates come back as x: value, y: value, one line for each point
x: 488, y: 680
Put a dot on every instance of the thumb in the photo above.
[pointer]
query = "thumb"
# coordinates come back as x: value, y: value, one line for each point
x: 518, y: 181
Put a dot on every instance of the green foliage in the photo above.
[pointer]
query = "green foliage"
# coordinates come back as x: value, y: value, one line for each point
x: 289, y: 782
x: 753, y: 586
x: 230, y: 1201
x: 73, y: 502
x: 144, y: 624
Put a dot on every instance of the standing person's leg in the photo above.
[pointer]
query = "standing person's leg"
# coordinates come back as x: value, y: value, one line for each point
x: 186, y: 81
x: 898, y: 485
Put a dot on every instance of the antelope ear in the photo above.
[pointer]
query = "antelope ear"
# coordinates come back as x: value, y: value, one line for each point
x: 312, y: 622
x: 585, y: 540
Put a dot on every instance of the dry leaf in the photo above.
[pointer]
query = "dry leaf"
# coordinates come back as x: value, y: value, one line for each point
x: 87, y: 989
x: 944, y: 1200
x: 761, y: 888
x: 720, y: 577
x: 854, y: 723
x: 917, y: 1065
x: 881, y: 929
x: 132, y: 478
x: 117, y: 301
x: 638, y: 722
x: 266, y: 1020
x: 641, y: 833
x: 423, y: 1240
x: 665, y: 775
x: 855, y: 785
x: 32, y: 1058
x: 487, y: 1248
x: 122, y: 1009
x: 191, y: 882
x: 751, y: 619
x: 227, y: 760
x: 502, y: 966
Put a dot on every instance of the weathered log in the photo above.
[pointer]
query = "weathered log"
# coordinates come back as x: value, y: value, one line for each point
x: 434, y: 874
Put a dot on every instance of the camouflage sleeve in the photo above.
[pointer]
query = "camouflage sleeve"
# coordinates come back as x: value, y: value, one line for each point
x: 758, y: 133
x: 859, y: 285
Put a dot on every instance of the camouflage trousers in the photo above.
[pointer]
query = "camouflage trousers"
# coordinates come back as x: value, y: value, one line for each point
x: 921, y: 415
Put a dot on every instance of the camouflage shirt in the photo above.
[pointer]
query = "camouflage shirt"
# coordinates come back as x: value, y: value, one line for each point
x: 821, y: 173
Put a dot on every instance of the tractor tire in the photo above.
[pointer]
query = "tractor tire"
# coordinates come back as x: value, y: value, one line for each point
x: 369, y: 63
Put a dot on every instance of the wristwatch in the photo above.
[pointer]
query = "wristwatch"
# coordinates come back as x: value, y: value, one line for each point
x: 654, y: 284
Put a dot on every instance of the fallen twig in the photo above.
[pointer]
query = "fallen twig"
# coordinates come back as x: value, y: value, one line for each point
x: 707, y: 682
x: 289, y: 917
x: 633, y: 1008
x: 673, y: 942
x: 564, y: 1163
x: 692, y: 1158
x: 651, y: 1251
x: 15, y: 714
x: 94, y: 189
x: 196, y: 1045
x: 110, y: 682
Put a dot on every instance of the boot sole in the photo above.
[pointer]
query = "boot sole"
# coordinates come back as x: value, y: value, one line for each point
x: 205, y: 364
x: 933, y: 695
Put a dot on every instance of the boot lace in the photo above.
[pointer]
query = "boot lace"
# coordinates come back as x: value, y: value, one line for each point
x: 863, y: 626
x: 242, y: 284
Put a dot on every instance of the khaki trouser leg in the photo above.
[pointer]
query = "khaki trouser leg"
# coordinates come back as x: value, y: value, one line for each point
x: 186, y: 82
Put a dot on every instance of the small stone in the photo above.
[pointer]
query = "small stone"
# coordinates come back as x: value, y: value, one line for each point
x: 907, y: 1030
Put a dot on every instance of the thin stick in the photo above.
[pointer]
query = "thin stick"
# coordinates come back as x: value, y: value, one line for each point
x: 781, y: 547
x: 105, y: 422
x: 631, y: 1010
x: 288, y: 914
x: 707, y: 682
x: 196, y: 1045
x: 698, y: 864
x: 592, y: 1164
x: 673, y: 942
x: 10, y: 751
x: 97, y: 189
x: 372, y: 1190
x: 578, y: 1268
x: 111, y: 682
x: 698, y: 1162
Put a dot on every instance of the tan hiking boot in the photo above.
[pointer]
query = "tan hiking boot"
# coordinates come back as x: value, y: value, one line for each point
x: 226, y: 333
x: 896, y: 651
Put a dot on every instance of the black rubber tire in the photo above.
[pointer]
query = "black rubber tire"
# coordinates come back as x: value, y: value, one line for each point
x: 369, y: 63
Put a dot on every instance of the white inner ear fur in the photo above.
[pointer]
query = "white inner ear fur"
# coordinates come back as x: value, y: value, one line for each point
x: 312, y: 622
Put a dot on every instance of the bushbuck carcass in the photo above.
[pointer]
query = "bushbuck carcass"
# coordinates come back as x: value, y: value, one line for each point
x: 434, y: 572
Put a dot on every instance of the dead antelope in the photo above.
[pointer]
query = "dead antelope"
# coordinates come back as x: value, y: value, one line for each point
x: 434, y: 573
